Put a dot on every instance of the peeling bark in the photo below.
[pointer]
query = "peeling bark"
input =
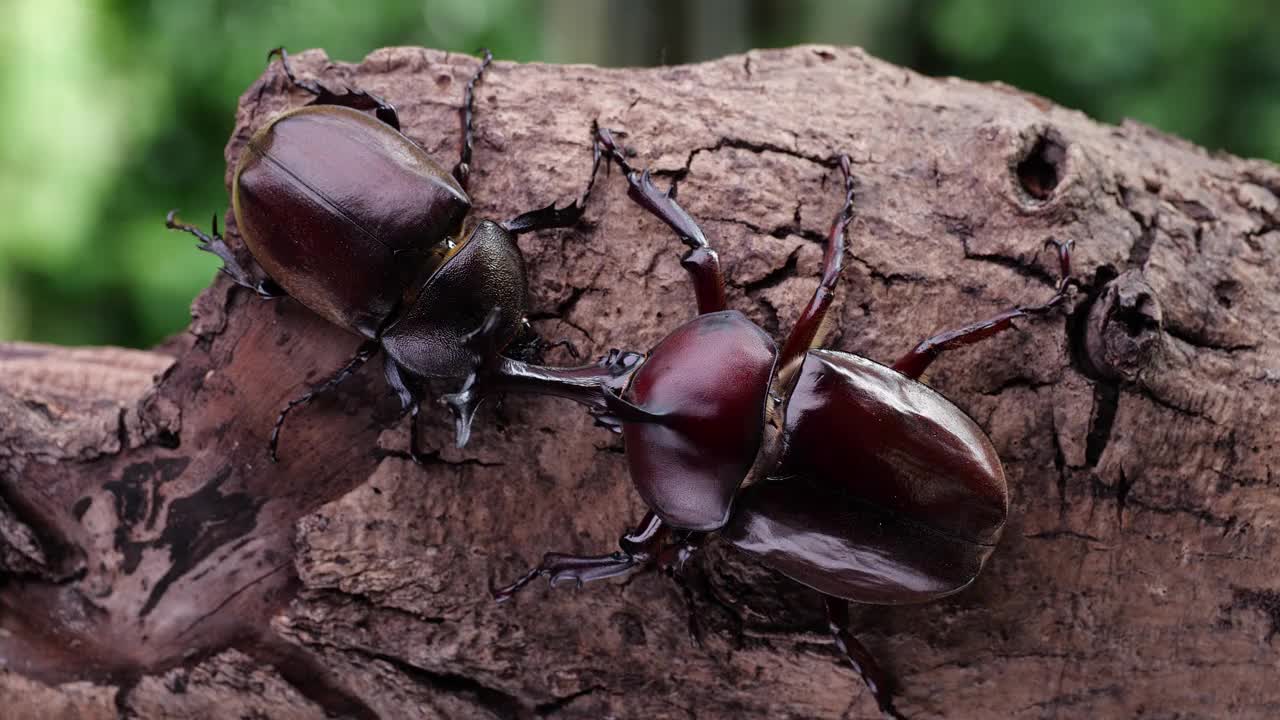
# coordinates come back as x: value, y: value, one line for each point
x: 156, y: 564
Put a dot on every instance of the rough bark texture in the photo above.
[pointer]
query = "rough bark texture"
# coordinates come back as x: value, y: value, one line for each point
x: 156, y: 564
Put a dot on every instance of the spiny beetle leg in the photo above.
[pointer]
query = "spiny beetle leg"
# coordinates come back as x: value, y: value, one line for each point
x: 354, y: 99
x: 559, y: 569
x: 858, y: 656
x: 590, y: 385
x: 546, y: 218
x: 671, y: 560
x: 531, y: 347
x: 410, y: 399
x: 637, y: 548
x: 701, y: 261
x: 808, y: 330
x: 367, y: 349
x: 462, y: 171
x: 552, y: 217
x: 914, y: 363
x: 546, y: 345
x: 265, y: 287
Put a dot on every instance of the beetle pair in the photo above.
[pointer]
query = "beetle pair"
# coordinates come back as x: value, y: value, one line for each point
x: 850, y: 477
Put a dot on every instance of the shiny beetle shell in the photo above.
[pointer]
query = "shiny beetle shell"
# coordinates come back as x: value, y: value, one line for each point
x: 705, y: 384
x: 342, y: 211
x: 906, y: 507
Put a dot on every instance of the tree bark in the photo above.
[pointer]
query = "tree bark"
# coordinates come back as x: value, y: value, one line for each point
x: 157, y: 564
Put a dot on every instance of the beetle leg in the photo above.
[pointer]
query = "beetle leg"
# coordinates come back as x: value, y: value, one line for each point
x: 367, y: 349
x: 914, y: 363
x: 552, y: 217
x: 265, y: 287
x: 672, y: 559
x: 410, y: 400
x: 528, y: 346
x: 588, y: 384
x: 862, y: 661
x: 701, y: 261
x: 636, y: 549
x: 462, y: 171
x: 354, y: 99
x: 808, y: 330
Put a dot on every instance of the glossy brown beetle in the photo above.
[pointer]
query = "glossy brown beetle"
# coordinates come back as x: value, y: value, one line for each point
x: 350, y: 217
x: 848, y: 476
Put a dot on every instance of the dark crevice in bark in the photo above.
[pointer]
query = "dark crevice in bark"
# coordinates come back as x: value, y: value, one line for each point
x: 888, y: 280
x: 1193, y: 209
x: 774, y: 277
x: 61, y: 561
x: 1167, y: 404
x: 757, y: 147
x: 1060, y: 467
x: 563, y: 309
x: 547, y: 709
x: 1266, y: 602
x: 1056, y: 534
x: 1140, y: 251
x: 1106, y: 400
x: 307, y: 674
x: 1103, y: 490
x: 1021, y: 267
x: 1017, y: 381
x: 121, y: 699
x: 1041, y: 169
x: 781, y: 232
x: 501, y: 704
x: 321, y: 595
x: 1123, y: 486
x: 234, y: 594
x: 1197, y: 339
x: 434, y: 458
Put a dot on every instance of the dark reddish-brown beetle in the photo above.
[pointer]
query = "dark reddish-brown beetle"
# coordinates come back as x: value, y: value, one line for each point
x: 350, y: 217
x: 848, y: 476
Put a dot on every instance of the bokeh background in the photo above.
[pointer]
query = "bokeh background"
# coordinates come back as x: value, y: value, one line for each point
x: 114, y: 111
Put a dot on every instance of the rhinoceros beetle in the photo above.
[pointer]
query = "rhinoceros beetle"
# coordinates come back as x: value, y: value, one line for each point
x: 850, y: 477
x: 347, y: 215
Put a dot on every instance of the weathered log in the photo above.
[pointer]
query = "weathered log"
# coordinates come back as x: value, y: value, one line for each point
x: 156, y: 564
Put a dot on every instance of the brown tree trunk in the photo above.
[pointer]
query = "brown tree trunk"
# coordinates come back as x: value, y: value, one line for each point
x: 156, y: 564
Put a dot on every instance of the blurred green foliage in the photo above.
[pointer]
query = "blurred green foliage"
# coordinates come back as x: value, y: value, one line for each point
x: 115, y: 111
